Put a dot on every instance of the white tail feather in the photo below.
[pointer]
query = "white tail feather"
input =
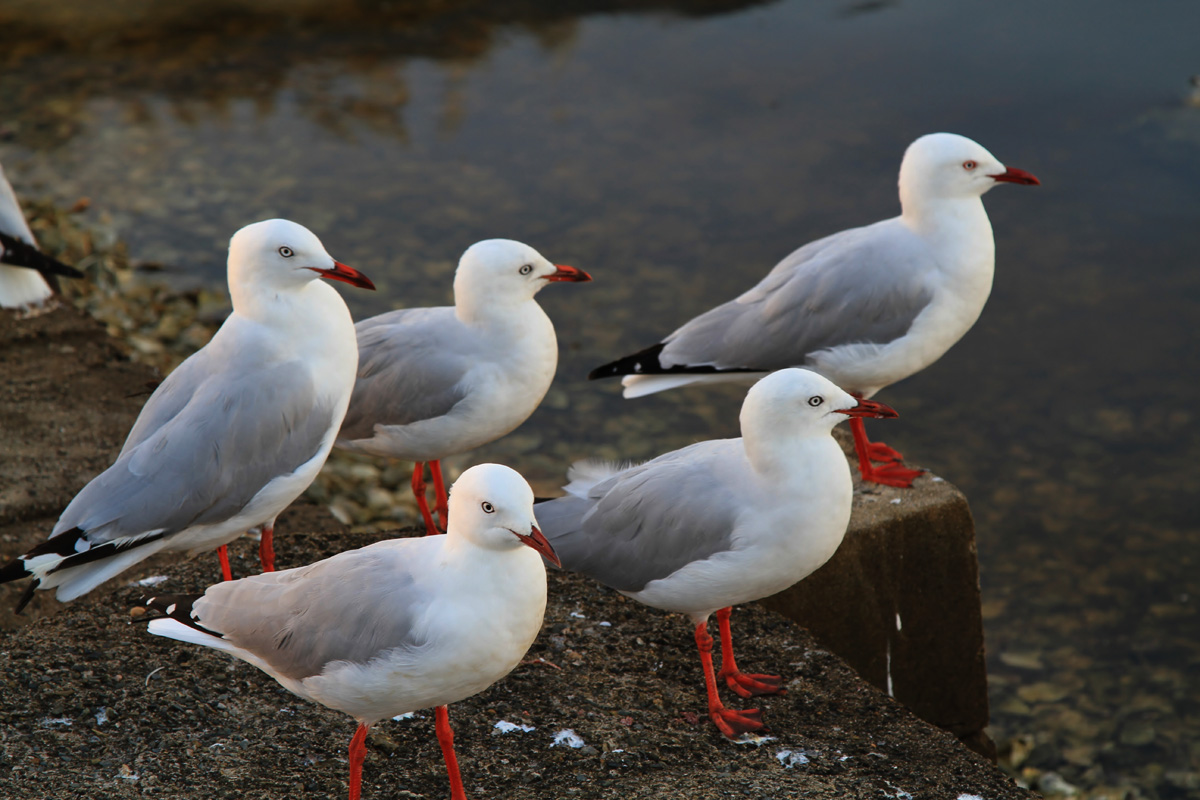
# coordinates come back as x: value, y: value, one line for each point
x: 174, y: 629
x: 642, y: 385
x: 21, y: 287
x: 73, y: 582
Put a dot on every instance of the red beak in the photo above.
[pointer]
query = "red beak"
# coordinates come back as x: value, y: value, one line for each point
x: 1014, y: 175
x: 571, y: 274
x: 869, y: 408
x: 350, y: 275
x: 537, y: 540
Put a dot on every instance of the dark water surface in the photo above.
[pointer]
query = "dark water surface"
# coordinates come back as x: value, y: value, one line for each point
x: 677, y: 151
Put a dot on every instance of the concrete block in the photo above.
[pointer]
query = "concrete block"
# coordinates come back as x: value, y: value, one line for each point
x: 900, y: 602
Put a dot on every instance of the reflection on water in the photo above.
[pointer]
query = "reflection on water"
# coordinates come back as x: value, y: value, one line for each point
x: 676, y: 156
x: 204, y: 58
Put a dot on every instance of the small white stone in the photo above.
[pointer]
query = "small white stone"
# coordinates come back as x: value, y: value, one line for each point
x: 754, y: 739
x: 569, y: 738
x: 791, y: 758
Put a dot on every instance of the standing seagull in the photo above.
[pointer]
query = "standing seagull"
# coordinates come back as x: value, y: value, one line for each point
x: 720, y: 522
x: 23, y: 268
x: 435, y: 382
x: 232, y: 436
x: 394, y: 627
x: 865, y: 307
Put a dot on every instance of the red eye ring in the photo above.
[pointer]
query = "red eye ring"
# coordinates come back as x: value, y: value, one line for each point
x: 969, y: 165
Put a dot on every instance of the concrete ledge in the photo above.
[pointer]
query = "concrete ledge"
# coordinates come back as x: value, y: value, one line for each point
x: 900, y: 602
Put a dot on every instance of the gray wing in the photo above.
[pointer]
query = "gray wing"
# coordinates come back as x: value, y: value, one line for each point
x: 647, y: 521
x: 410, y: 365
x: 351, y: 607
x: 860, y: 285
x: 170, y: 397
x: 209, y: 439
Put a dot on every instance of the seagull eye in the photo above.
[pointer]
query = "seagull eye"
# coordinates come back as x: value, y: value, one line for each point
x: 816, y: 400
x: 525, y: 270
x: 488, y: 508
x: 286, y: 252
x: 969, y: 165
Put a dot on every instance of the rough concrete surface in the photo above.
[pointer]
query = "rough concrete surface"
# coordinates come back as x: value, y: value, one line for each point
x: 900, y: 602
x: 92, y: 706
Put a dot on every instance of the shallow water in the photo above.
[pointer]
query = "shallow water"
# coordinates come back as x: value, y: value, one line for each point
x: 677, y: 154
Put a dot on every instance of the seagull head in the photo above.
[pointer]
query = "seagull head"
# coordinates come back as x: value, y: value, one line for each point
x: 801, y: 403
x: 504, y: 271
x: 949, y: 166
x: 492, y: 506
x: 277, y: 254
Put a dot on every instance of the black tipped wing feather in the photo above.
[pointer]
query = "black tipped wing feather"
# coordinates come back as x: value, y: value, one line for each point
x: 179, y: 608
x: 18, y: 253
x: 646, y: 362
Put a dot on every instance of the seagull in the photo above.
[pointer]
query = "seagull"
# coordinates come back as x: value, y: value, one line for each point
x: 435, y: 382
x: 865, y: 307
x: 23, y: 268
x: 396, y: 626
x: 720, y: 522
x: 232, y: 436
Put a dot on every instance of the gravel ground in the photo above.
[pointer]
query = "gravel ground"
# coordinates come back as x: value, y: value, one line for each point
x: 93, y: 706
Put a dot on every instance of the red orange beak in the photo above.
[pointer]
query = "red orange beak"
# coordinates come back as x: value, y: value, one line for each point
x: 1014, y: 175
x: 869, y: 408
x: 565, y: 273
x: 350, y: 275
x: 537, y: 540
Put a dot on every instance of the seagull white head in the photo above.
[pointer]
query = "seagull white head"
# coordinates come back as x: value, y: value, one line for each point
x: 802, y: 403
x: 949, y: 166
x: 504, y: 271
x: 492, y: 506
x: 279, y: 254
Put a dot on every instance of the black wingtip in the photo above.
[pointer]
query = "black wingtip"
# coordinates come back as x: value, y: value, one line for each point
x: 26, y: 597
x: 643, y: 362
x: 14, y: 571
x: 171, y: 605
x: 179, y: 608
x: 646, y: 362
x: 19, y: 253
x: 64, y: 544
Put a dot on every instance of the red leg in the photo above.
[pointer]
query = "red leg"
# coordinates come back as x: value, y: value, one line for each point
x: 730, y: 722
x: 744, y: 684
x: 358, y: 751
x: 223, y: 555
x: 439, y: 491
x: 893, y: 473
x: 418, y: 487
x: 266, y: 547
x: 446, y: 740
